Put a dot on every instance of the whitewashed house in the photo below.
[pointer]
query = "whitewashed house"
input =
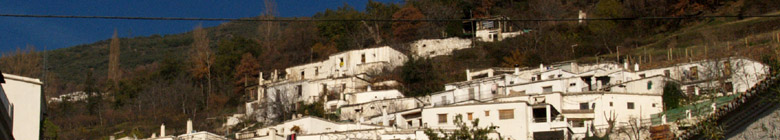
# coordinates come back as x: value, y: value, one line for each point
x: 429, y: 48
x: 25, y: 104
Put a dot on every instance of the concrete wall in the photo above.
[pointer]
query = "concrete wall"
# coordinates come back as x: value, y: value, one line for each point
x: 435, y: 47
x: 24, y: 95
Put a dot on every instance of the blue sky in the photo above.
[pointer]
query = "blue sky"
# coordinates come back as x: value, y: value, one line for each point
x: 55, y: 33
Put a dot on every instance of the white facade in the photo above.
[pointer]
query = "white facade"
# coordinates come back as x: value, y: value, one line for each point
x: 349, y: 63
x: 516, y: 120
x: 25, y: 105
x: 429, y: 48
x: 312, y: 128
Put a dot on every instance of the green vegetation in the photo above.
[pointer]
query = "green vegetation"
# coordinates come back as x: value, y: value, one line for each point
x: 672, y: 95
x: 157, y: 85
x: 464, y: 131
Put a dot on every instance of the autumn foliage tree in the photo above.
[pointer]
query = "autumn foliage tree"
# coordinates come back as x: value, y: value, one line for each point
x: 323, y: 50
x: 201, y: 58
x: 25, y: 62
x: 405, y: 31
x: 244, y: 72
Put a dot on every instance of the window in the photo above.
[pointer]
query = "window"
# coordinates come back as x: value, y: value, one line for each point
x: 728, y: 87
x: 300, y: 90
x: 691, y: 90
x: 533, y: 78
x: 341, y: 62
x: 649, y: 85
x: 363, y: 58
x: 573, y: 84
x: 667, y: 73
x: 642, y: 76
x: 577, y: 122
x: 593, y: 106
x: 471, y: 117
x: 610, y: 104
x: 630, y: 105
x: 303, y: 75
x: 560, y: 75
x: 653, y: 104
x: 583, y: 106
x: 547, y: 89
x: 442, y: 118
x: 316, y: 71
x: 471, y: 93
x: 727, y: 68
x: 506, y: 114
x: 487, y: 113
x: 694, y: 73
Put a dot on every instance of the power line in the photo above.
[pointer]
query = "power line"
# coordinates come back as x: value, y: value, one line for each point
x: 375, y: 20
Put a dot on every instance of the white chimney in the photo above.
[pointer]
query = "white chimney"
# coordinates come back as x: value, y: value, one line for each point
x: 189, y: 126
x: 636, y: 66
x: 275, y: 75
x: 154, y: 135
x: 574, y: 67
x: 468, y: 75
x: 368, y: 88
x: 490, y: 73
x: 162, y: 130
x: 385, y: 122
x: 541, y: 67
x: 272, y: 133
x: 625, y: 65
x: 517, y: 69
x: 260, y: 78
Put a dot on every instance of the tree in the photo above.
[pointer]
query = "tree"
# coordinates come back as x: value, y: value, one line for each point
x: 244, y: 71
x: 202, y: 59
x: 672, y: 96
x: 464, y: 131
x: 516, y: 58
x: 420, y: 78
x: 25, y: 62
x: 407, y: 30
x: 605, y: 29
x: 114, y: 73
x: 322, y: 51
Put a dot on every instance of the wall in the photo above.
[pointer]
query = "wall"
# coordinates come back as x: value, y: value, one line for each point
x: 516, y: 128
x: 24, y: 95
x: 435, y: 47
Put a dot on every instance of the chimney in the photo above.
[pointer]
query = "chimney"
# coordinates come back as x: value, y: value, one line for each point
x: 625, y: 65
x: 275, y: 75
x: 574, y: 67
x: 385, y: 122
x: 260, y: 78
x: 189, y: 126
x: 154, y: 135
x: 468, y: 75
x: 490, y: 73
x: 162, y: 130
x: 636, y: 66
x: 272, y: 133
x: 517, y: 69
x: 541, y: 67
x: 368, y: 88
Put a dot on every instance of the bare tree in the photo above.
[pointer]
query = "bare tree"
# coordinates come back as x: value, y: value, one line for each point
x: 201, y: 58
x: 25, y: 62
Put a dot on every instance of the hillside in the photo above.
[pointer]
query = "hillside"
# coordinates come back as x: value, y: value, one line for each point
x: 159, y: 86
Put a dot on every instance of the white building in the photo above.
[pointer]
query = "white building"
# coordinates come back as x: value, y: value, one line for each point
x: 313, y: 128
x: 491, y: 29
x: 429, y: 48
x: 517, y: 120
x: 25, y: 104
